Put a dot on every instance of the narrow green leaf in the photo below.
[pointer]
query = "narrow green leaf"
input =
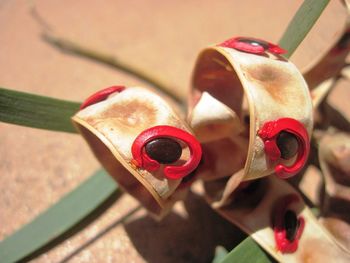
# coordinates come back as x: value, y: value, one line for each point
x: 59, y: 218
x: 36, y: 111
x: 220, y: 254
x: 248, y: 251
x: 301, y: 24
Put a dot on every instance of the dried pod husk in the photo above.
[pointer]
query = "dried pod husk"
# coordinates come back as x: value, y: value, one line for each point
x: 263, y: 210
x: 222, y: 158
x: 311, y: 184
x: 330, y: 95
x: 335, y: 107
x: 228, y: 194
x: 213, y: 120
x: 219, y: 129
x: 323, y: 75
x: 255, y: 88
x: 320, y: 92
x: 331, y: 63
x: 338, y: 227
x: 116, y: 129
x: 334, y: 157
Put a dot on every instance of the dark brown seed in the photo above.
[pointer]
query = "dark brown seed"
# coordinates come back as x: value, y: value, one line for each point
x: 290, y: 224
x: 288, y: 144
x: 164, y: 150
x: 255, y: 42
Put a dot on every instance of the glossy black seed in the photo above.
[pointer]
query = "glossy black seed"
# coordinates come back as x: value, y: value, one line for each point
x: 164, y: 150
x: 288, y: 144
x: 290, y: 224
x: 255, y: 42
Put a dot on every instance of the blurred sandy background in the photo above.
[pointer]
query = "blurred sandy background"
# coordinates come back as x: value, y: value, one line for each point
x: 38, y: 167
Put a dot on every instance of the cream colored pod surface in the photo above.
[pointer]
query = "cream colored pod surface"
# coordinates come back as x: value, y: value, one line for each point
x: 251, y: 109
x: 142, y: 142
x: 274, y: 214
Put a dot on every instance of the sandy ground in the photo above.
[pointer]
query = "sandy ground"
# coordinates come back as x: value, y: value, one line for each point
x: 38, y: 167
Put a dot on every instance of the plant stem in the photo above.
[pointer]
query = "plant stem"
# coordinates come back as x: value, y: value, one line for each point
x: 110, y: 60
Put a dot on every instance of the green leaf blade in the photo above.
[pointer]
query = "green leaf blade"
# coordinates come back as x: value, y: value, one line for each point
x: 247, y: 251
x: 59, y: 218
x: 301, y: 24
x: 37, y: 111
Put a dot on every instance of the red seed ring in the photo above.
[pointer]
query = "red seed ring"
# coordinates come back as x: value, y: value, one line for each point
x: 101, y: 95
x: 242, y: 44
x: 282, y: 243
x: 141, y: 159
x: 269, y: 133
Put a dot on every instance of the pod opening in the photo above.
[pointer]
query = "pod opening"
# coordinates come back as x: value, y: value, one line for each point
x: 112, y: 162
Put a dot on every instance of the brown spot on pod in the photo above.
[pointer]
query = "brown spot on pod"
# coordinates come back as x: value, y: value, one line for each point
x: 131, y: 114
x: 272, y: 79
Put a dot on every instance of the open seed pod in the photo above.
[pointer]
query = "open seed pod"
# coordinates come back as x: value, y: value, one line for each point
x: 335, y: 110
x: 323, y: 72
x: 142, y: 143
x: 275, y: 215
x: 246, y: 93
x: 330, y: 63
x: 334, y: 157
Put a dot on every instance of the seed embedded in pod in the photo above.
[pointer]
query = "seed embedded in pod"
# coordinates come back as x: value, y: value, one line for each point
x: 164, y: 150
x: 288, y: 144
x: 290, y: 224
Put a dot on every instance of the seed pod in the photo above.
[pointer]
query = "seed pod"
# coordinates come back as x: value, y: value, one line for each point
x: 269, y: 214
x: 134, y: 133
x: 246, y: 78
x: 334, y: 158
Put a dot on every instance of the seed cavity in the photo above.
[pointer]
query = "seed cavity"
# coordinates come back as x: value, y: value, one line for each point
x: 288, y: 144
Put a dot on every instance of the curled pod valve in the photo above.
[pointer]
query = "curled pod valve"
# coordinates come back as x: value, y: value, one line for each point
x: 158, y: 145
x: 284, y: 138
